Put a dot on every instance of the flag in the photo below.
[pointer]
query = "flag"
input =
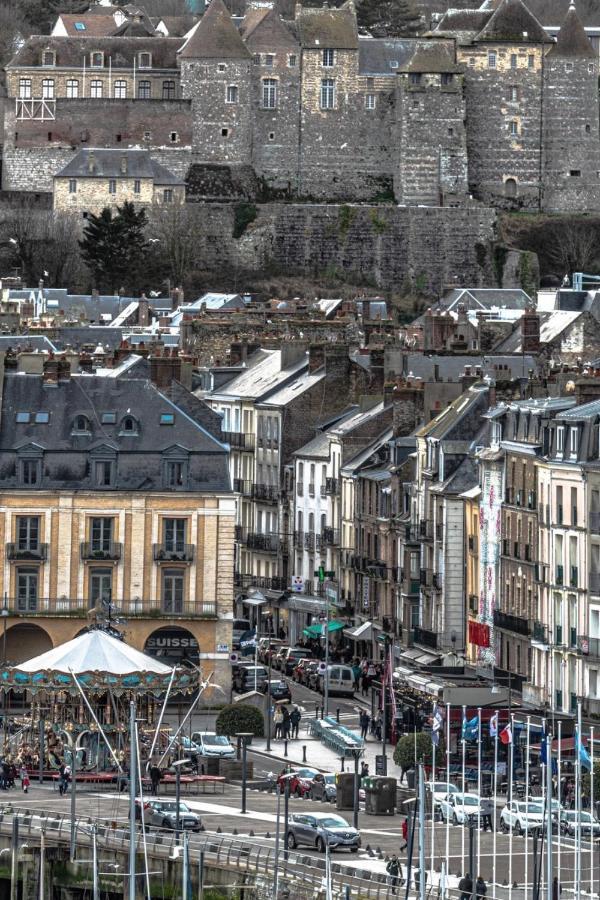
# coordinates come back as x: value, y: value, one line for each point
x: 437, y: 725
x: 506, y: 735
x: 248, y: 642
x: 470, y: 729
x: 584, y: 756
x: 544, y: 749
x: 494, y: 725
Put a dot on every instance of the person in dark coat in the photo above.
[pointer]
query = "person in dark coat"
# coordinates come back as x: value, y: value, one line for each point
x: 480, y: 888
x: 465, y: 886
x: 295, y: 717
x: 364, y: 720
x: 155, y: 777
x: 287, y: 724
x: 394, y: 871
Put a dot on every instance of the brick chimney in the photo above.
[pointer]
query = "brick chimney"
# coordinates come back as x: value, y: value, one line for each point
x: 316, y: 357
x: 91, y: 162
x: 50, y: 373
x: 166, y: 368
x: 530, y: 331
x: 143, y: 311
x: 176, y: 297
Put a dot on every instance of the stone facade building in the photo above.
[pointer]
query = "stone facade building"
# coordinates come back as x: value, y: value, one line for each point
x: 481, y: 109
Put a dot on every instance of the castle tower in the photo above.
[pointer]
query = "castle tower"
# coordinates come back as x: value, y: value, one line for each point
x: 571, y: 139
x: 215, y: 75
x: 432, y: 164
x: 503, y: 79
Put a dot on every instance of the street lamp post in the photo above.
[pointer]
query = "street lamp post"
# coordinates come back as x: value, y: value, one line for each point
x: 177, y: 765
x: 321, y: 573
x: 356, y: 753
x: 243, y: 737
x: 5, y: 613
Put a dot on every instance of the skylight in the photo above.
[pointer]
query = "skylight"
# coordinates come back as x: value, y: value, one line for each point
x: 109, y: 418
x: 79, y: 26
x: 23, y: 418
x: 167, y: 419
x: 42, y: 418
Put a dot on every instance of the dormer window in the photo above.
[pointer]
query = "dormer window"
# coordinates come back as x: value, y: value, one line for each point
x: 129, y: 425
x: 81, y: 425
x: 97, y: 60
x: 145, y: 60
x: 573, y: 442
x: 48, y: 58
x: 560, y: 440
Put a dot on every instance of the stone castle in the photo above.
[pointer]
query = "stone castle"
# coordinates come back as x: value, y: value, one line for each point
x: 487, y: 109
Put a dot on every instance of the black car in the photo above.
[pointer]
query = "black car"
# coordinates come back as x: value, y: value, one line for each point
x: 250, y: 678
x: 279, y: 690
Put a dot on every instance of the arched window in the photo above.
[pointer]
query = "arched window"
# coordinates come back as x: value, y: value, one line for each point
x: 510, y: 187
x: 129, y: 425
x: 81, y: 423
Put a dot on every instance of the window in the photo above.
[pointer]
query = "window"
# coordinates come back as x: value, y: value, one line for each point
x: 221, y: 67
x: 328, y: 58
x: 112, y: 185
x: 48, y: 88
x: 569, y: 67
x: 513, y: 93
x: 72, y: 185
x: 471, y: 61
x: 174, y: 535
x: 101, y: 534
x: 174, y: 137
x: 100, y: 587
x: 573, y: 441
x: 120, y: 92
x: 232, y: 94
x: 491, y: 60
x: 144, y: 90
x: 173, y: 581
x: 269, y: 93
x: 96, y: 89
x: 168, y: 90
x: 129, y: 425
x: 224, y: 132
x: 510, y: 187
x: 30, y: 472
x: 575, y: 173
x: 81, y: 424
x: 72, y: 88
x: 370, y: 101
x: 531, y: 61
x: 256, y: 59
x: 167, y: 419
x: 269, y: 60
x: 103, y: 472
x: 415, y: 78
x: 560, y: 440
x: 97, y: 60
x: 447, y: 79
x: 28, y: 533
x: 79, y: 26
x: 22, y: 418
x: 108, y: 418
x: 145, y: 60
x: 514, y: 61
x: 42, y: 418
x: 271, y: 135
x: 292, y: 60
x: 48, y: 58
x: 167, y: 195
x: 175, y: 473
x: 137, y: 186
x: 513, y: 128
x: 147, y: 135
x: 27, y: 590
x: 25, y: 88
x: 327, y: 93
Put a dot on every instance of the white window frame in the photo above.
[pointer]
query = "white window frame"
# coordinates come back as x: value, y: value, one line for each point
x: 25, y: 88
x: 327, y: 97
x: 120, y: 89
x: 72, y: 88
x: 269, y: 93
x: 573, y: 441
x: 48, y: 87
x: 96, y: 65
x: 140, y: 57
x: 370, y: 101
x: 492, y: 59
x: 328, y: 58
x: 560, y: 440
x: 232, y: 93
x: 513, y: 128
x: 96, y: 89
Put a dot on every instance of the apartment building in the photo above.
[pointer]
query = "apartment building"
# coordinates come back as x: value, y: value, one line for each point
x: 115, y: 500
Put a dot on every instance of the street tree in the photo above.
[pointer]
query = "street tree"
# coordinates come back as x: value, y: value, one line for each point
x: 41, y: 243
x: 389, y: 18
x: 114, y: 247
x: 415, y: 748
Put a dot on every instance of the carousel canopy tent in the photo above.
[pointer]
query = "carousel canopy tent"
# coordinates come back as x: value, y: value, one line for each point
x: 94, y: 651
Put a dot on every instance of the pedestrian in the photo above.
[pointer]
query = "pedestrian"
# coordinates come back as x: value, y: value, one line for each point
x: 295, y: 717
x: 25, y: 780
x: 356, y: 670
x: 487, y: 813
x: 61, y: 779
x: 480, y: 888
x: 404, y: 833
x: 364, y: 720
x: 377, y: 726
x: 465, y: 886
x: 65, y: 779
x: 365, y: 682
x: 287, y: 724
x: 364, y: 769
x: 5, y: 774
x: 278, y: 722
x: 394, y: 871
x: 155, y: 778
x: 556, y: 888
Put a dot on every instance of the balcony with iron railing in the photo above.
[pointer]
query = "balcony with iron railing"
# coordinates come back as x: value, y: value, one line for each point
x: 425, y: 638
x: 265, y: 543
x: 239, y: 440
x: 330, y: 537
x: 268, y: 442
x: 331, y: 485
x: 311, y: 489
x: 242, y: 486
x: 267, y: 493
x: 511, y: 623
x: 78, y: 608
x: 309, y: 541
x: 595, y: 522
x: 174, y: 552
x: 260, y: 582
x: 590, y: 646
x: 100, y: 551
x: 437, y: 581
x: 298, y: 539
x: 24, y: 552
x: 539, y: 633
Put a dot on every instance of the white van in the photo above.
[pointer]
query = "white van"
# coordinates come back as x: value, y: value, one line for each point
x: 341, y: 681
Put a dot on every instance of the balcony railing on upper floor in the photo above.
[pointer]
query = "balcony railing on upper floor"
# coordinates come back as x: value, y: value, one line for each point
x: 173, y: 552
x: 260, y: 582
x: 425, y: 637
x: 79, y: 608
x: 239, y: 440
x: 108, y: 551
x: 242, y: 486
x: 511, y: 623
x: 266, y: 493
x: 21, y: 552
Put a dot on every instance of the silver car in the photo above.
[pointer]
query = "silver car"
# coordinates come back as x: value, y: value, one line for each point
x: 320, y: 830
x: 163, y: 813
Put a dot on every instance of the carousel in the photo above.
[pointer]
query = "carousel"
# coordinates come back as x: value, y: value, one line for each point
x: 77, y: 697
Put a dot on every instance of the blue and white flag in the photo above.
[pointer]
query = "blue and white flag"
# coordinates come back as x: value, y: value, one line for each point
x: 437, y: 725
x: 584, y: 756
x: 494, y: 725
x: 248, y: 642
x: 470, y: 729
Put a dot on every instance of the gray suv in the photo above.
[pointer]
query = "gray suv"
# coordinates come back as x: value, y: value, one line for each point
x: 163, y: 814
x: 319, y: 830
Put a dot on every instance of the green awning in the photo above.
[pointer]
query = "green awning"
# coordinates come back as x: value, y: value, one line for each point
x: 316, y: 631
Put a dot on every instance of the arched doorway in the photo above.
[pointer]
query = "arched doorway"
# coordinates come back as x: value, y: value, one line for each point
x: 173, y: 646
x: 510, y: 188
x: 24, y: 642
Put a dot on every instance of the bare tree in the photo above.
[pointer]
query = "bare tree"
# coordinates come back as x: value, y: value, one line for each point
x: 43, y: 244
x: 176, y: 228
x: 572, y: 246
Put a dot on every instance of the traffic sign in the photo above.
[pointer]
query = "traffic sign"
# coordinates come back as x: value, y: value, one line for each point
x: 233, y: 657
x: 322, y: 668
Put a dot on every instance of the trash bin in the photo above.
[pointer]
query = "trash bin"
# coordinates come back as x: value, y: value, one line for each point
x: 344, y: 794
x: 380, y: 795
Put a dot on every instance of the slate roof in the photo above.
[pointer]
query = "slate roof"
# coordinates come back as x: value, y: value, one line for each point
x: 463, y: 22
x: 510, y: 21
x: 322, y: 27
x: 107, y: 164
x: 122, y: 51
x: 140, y: 457
x: 317, y: 448
x: 466, y: 408
x: 384, y: 56
x: 572, y: 41
x: 552, y: 324
x: 141, y: 27
x: 487, y: 298
x: 589, y: 13
x: 94, y: 26
x: 26, y: 342
x: 177, y: 26
x: 434, y: 56
x: 215, y: 36
x: 262, y: 377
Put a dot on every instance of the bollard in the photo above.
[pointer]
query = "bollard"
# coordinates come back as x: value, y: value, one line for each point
x: 337, y: 715
x: 285, y: 747
x: 343, y: 759
x: 303, y: 753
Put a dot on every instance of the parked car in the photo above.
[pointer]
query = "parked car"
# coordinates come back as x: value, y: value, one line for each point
x: 279, y: 655
x: 341, y: 681
x: 320, y: 830
x: 240, y: 627
x: 521, y: 816
x: 250, y: 678
x: 440, y: 789
x: 292, y: 657
x: 163, y: 814
x: 458, y: 808
x: 280, y: 690
x: 571, y: 821
x: 556, y: 811
x: 323, y: 787
x: 215, y: 745
x: 299, y: 779
x: 263, y: 649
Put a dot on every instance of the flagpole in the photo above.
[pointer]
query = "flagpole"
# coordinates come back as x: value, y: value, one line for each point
x: 579, y: 745
x: 433, y: 804
x: 592, y: 812
x: 559, y: 793
x: 549, y: 876
x: 510, y: 794
x: 495, y: 797
x: 526, y: 807
x: 447, y: 784
x: 463, y: 743
x: 478, y: 793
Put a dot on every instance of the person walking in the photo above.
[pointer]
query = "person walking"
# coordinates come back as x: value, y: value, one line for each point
x: 278, y: 722
x: 394, y: 871
x: 61, y: 779
x: 480, y: 888
x: 404, y: 833
x: 155, y: 778
x: 287, y: 724
x: 25, y: 780
x: 487, y: 814
x: 465, y: 886
x: 364, y: 720
x: 295, y: 718
x: 556, y: 888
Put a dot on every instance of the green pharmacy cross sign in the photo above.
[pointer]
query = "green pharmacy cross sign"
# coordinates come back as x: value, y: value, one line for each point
x: 322, y: 573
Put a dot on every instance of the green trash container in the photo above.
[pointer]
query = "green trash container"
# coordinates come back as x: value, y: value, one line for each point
x: 380, y: 795
x: 344, y: 795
